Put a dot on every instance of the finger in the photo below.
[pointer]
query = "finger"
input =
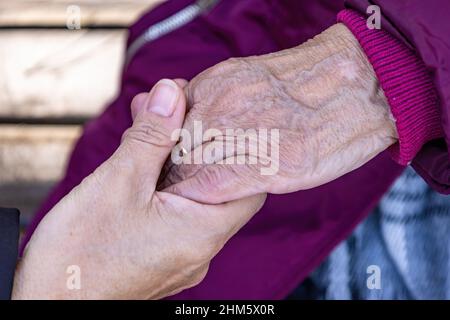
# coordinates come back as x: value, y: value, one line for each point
x: 137, y: 103
x: 219, y: 183
x: 181, y: 82
x: 189, y: 98
x: 149, y: 141
x: 215, y: 175
x: 139, y: 99
x: 223, y: 219
x: 233, y: 215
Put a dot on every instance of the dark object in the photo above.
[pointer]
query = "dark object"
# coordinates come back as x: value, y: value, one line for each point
x: 9, y: 239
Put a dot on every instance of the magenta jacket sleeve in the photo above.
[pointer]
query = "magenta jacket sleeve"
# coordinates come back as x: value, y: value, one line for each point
x: 411, y: 57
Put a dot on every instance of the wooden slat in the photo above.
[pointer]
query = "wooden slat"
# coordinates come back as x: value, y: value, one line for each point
x: 25, y: 197
x: 55, y: 12
x: 32, y: 159
x: 30, y: 154
x: 58, y: 73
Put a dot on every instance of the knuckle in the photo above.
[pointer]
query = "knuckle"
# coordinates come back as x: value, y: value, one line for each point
x: 200, y: 275
x: 199, y: 90
x: 193, y: 275
x: 194, y: 257
x: 201, y: 254
x: 231, y: 64
x: 189, y: 92
x: 149, y: 132
x: 209, y: 246
x: 211, y: 83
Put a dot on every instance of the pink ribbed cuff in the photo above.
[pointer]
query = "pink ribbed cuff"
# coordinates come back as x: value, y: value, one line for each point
x: 406, y: 85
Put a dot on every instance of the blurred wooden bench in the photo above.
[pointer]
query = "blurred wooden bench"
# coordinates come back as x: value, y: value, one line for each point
x: 52, y: 80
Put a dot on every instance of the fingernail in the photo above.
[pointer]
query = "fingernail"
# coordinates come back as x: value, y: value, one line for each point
x: 163, y: 98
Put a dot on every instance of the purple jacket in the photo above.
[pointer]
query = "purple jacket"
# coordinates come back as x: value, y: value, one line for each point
x: 292, y: 233
x: 421, y: 26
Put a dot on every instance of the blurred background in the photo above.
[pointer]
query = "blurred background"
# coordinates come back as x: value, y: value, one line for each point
x: 51, y: 65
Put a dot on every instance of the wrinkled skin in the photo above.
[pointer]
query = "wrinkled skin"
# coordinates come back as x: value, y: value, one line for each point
x: 324, y: 98
x: 128, y: 240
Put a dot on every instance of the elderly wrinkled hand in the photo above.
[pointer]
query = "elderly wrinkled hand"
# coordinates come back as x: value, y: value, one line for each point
x: 125, y: 239
x: 309, y: 114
